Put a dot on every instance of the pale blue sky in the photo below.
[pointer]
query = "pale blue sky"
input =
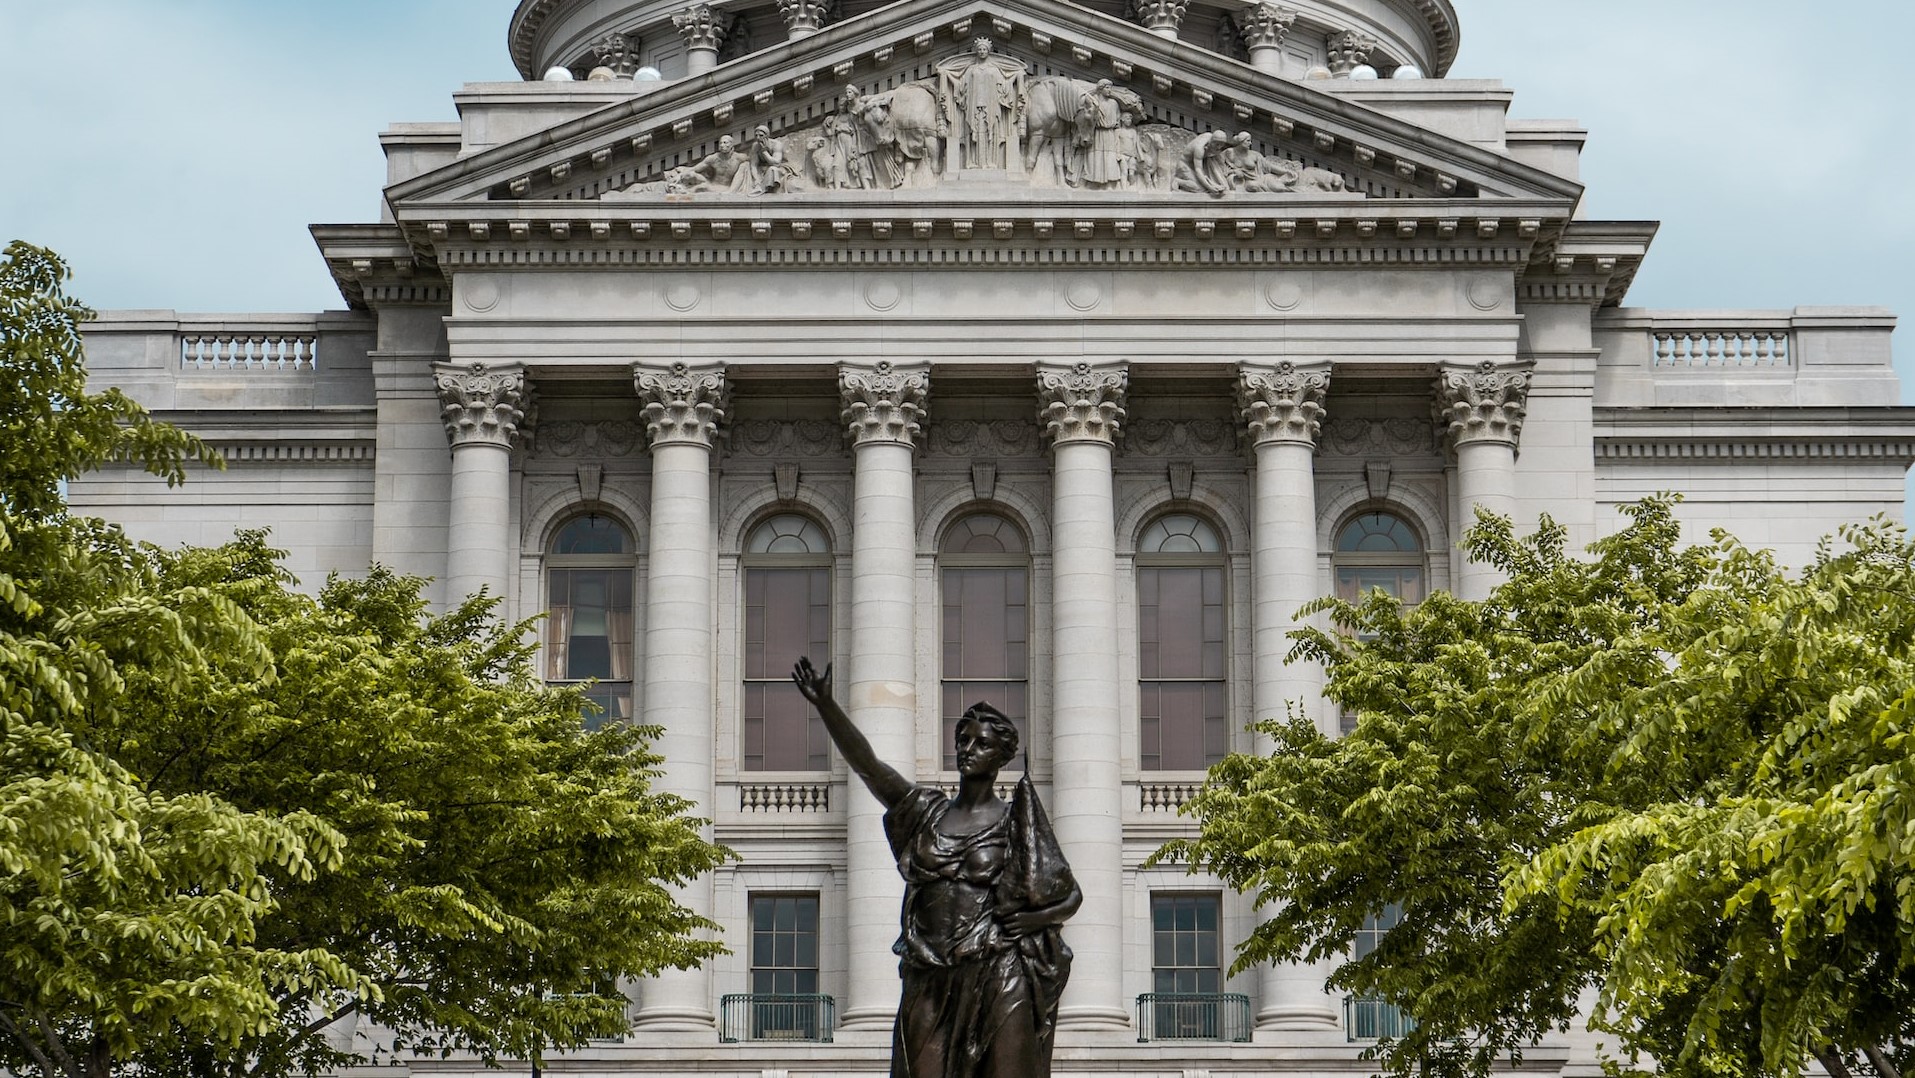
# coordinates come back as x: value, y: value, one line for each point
x: 175, y: 150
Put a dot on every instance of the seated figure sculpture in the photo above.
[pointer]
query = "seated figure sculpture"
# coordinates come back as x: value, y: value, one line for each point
x: 981, y: 950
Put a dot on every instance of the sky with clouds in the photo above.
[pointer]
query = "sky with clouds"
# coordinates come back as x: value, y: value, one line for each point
x: 175, y: 150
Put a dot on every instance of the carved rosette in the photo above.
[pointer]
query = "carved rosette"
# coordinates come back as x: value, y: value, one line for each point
x: 1083, y: 403
x: 805, y: 16
x: 682, y: 404
x: 1264, y: 26
x: 619, y: 52
x: 1485, y: 404
x: 1283, y: 403
x: 480, y: 404
x: 1349, y: 50
x: 884, y: 403
x: 703, y: 26
x: 1161, y: 16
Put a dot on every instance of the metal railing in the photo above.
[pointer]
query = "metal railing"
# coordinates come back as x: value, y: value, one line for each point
x: 1367, y: 1019
x: 762, y: 1017
x: 1193, y: 1016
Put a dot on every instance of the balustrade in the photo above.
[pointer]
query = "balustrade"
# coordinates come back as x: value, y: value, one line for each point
x: 785, y: 797
x: 1167, y: 796
x: 1726, y: 347
x: 249, y: 349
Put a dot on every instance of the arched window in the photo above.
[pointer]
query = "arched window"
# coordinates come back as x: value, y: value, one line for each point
x: 1377, y: 549
x: 787, y: 571
x: 985, y: 575
x: 1180, y: 645
x: 588, y: 627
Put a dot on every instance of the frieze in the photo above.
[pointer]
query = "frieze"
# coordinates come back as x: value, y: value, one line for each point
x: 1352, y: 436
x: 569, y: 438
x: 787, y: 437
x: 983, y: 438
x: 1158, y: 437
x: 986, y: 119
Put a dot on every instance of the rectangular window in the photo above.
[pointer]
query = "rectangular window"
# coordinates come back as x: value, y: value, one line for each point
x: 787, y: 614
x: 588, y: 633
x: 986, y: 635
x: 1180, y: 630
x: 1185, y: 963
x: 784, y: 964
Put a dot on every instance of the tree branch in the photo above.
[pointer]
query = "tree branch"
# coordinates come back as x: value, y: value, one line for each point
x: 55, y: 1046
x: 40, y: 1059
x: 1832, y: 1062
x: 325, y: 1020
x: 1884, y: 1066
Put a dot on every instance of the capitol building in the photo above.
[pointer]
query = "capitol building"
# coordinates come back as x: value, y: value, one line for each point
x: 1039, y: 352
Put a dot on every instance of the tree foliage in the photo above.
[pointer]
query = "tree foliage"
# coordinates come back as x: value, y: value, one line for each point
x: 1673, y: 772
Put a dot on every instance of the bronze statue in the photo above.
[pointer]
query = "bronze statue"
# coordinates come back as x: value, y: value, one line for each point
x: 981, y: 951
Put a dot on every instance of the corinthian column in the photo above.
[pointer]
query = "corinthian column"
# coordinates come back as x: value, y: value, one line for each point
x: 1480, y: 411
x: 1082, y: 408
x: 1162, y: 17
x: 1264, y: 27
x: 704, y: 29
x: 481, y: 409
x: 1283, y: 409
x: 683, y: 408
x: 884, y: 410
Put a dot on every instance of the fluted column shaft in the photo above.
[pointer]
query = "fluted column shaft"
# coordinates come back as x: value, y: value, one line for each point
x: 1083, y: 409
x: 683, y: 408
x: 883, y: 409
x: 481, y: 406
x: 1481, y: 411
x: 1283, y: 409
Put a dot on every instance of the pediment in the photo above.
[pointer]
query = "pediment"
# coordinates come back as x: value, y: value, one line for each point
x: 1074, y: 106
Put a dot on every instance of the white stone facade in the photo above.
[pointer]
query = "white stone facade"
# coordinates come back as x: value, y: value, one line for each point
x: 579, y: 301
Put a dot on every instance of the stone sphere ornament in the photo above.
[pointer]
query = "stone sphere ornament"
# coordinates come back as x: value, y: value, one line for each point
x: 648, y: 74
x: 1362, y: 73
x: 1318, y: 73
x: 559, y: 74
x: 601, y: 74
x: 1407, y: 71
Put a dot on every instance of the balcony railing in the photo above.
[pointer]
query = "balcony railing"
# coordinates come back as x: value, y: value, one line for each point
x: 1372, y: 1019
x: 760, y: 1017
x: 1193, y: 1016
x: 1723, y: 346
x: 262, y: 346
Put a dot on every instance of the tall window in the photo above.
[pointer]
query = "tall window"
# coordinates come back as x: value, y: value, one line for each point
x: 986, y: 580
x: 1377, y: 550
x: 1180, y: 640
x: 1184, y: 939
x: 588, y: 626
x: 787, y: 563
x: 784, y: 944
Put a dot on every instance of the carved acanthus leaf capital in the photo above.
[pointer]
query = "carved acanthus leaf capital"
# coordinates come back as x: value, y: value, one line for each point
x: 1161, y: 15
x: 681, y: 403
x: 1264, y: 26
x: 1483, y: 404
x: 1284, y: 402
x: 480, y: 404
x: 1084, y: 402
x: 703, y: 26
x: 618, y: 51
x: 1349, y: 50
x: 805, y: 16
x: 884, y: 403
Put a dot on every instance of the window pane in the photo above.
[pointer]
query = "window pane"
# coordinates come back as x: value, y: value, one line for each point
x: 784, y: 943
x: 1186, y: 944
x: 984, y: 533
x: 589, y: 624
x: 1182, y: 725
x: 1379, y: 533
x: 1405, y: 582
x: 787, y: 614
x: 788, y: 533
x: 591, y: 535
x: 1179, y: 533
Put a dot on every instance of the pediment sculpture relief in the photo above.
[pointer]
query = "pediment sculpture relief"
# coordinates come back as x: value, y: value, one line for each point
x: 985, y: 120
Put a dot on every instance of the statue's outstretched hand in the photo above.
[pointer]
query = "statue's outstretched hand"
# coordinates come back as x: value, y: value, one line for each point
x: 814, y: 686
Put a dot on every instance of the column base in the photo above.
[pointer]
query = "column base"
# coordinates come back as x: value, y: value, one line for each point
x: 674, y: 1020
x: 1297, y: 1018
x: 868, y: 1018
x: 1093, y: 1018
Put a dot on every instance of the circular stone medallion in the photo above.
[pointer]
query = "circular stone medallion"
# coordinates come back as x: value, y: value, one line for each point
x: 1083, y: 294
x: 1284, y: 295
x: 681, y: 295
x: 481, y: 295
x: 1485, y: 294
x: 882, y: 295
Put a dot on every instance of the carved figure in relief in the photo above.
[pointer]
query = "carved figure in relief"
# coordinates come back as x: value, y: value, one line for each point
x: 1217, y: 164
x: 981, y: 102
x: 717, y: 172
x: 1099, y: 120
x: 835, y: 161
x: 897, y: 135
x: 765, y: 169
x: 1203, y: 167
x: 1067, y: 120
x: 986, y: 893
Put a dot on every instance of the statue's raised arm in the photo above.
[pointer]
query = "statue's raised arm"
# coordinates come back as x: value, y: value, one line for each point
x: 884, y: 781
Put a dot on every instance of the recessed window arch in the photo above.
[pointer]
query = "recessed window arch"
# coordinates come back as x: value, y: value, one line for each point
x: 589, y: 565
x: 786, y: 566
x: 1181, y: 645
x: 984, y: 575
x: 1378, y: 549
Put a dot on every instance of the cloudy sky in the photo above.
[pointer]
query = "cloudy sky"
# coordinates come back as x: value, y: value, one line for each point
x: 175, y: 150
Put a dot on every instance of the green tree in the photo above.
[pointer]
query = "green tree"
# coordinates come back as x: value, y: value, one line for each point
x: 125, y: 915
x: 1669, y: 771
x: 504, y: 868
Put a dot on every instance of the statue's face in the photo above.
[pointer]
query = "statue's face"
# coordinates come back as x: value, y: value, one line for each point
x: 982, y: 749
x: 982, y: 47
x: 725, y: 143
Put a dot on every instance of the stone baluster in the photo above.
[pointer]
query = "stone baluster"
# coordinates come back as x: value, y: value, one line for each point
x: 683, y: 409
x: 1349, y: 50
x: 1282, y: 407
x: 1082, y: 409
x: 1162, y: 17
x: 884, y: 412
x: 482, y: 406
x: 1480, y: 413
x: 1264, y: 28
x: 804, y: 17
x: 704, y: 29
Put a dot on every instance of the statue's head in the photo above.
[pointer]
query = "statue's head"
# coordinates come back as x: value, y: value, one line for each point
x: 1103, y: 84
x: 761, y: 133
x: 726, y: 143
x: 1242, y: 139
x: 986, y: 739
x: 981, y: 46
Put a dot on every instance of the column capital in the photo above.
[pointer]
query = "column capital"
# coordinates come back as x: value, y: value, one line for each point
x: 703, y: 26
x: 1264, y: 26
x: 1083, y: 402
x: 618, y: 51
x: 481, y: 404
x: 1484, y: 403
x: 805, y: 16
x: 683, y: 404
x: 1161, y: 16
x: 1283, y: 402
x: 1348, y: 51
x: 884, y: 402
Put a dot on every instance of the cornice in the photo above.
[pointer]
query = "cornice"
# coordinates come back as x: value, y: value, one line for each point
x: 1835, y: 435
x: 264, y: 452
x: 374, y: 265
